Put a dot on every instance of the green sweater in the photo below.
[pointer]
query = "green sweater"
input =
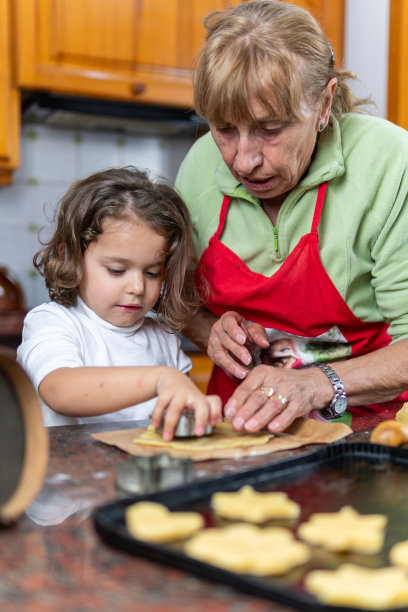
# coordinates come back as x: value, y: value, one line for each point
x: 363, y: 231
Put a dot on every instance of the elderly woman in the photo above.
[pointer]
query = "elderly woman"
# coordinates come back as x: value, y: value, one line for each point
x: 300, y: 211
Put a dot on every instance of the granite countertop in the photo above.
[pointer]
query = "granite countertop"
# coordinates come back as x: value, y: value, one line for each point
x: 52, y: 558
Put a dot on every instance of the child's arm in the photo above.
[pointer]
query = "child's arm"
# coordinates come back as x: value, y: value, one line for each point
x: 92, y: 391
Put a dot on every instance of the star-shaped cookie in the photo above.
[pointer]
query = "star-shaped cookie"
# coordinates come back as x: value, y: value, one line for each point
x: 345, y: 530
x: 360, y: 587
x: 254, y: 506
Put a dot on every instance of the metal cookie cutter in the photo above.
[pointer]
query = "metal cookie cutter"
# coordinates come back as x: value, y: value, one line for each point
x: 149, y: 474
x: 185, y: 426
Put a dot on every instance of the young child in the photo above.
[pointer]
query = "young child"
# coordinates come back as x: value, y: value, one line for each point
x: 121, y: 248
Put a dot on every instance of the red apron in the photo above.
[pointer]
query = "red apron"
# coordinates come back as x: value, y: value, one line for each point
x: 299, y: 299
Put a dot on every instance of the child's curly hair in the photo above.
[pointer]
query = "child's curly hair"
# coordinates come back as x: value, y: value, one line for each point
x: 117, y: 193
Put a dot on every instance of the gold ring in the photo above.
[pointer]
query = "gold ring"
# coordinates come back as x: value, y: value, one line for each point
x: 282, y: 399
x: 268, y: 391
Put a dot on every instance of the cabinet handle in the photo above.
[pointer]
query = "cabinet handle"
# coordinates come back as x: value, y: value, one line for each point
x: 138, y: 88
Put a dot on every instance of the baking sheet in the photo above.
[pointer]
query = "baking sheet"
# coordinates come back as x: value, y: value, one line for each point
x: 371, y: 478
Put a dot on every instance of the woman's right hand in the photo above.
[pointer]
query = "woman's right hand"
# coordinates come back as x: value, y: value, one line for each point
x: 230, y: 336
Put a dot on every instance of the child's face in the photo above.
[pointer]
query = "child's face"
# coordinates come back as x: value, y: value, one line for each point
x: 123, y: 271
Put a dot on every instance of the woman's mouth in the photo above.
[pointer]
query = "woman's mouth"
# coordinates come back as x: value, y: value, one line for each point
x: 257, y: 183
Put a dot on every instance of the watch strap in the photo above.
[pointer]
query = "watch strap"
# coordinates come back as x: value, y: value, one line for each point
x: 338, y: 404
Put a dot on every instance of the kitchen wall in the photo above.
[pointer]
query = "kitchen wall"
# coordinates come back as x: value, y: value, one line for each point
x: 51, y: 158
x: 366, y: 49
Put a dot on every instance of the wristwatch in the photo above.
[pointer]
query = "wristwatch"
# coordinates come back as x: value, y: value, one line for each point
x: 338, y: 404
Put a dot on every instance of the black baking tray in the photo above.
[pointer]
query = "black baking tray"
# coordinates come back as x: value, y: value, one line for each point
x: 372, y: 478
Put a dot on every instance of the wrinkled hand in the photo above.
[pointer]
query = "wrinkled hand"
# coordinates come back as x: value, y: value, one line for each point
x: 177, y: 392
x: 231, y: 338
x: 295, y: 393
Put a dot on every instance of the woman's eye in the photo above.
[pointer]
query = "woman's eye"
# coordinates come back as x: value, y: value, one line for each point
x: 115, y: 271
x: 224, y: 129
x: 275, y: 131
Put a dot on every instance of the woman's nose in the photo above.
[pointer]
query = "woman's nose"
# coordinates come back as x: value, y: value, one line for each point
x: 248, y: 156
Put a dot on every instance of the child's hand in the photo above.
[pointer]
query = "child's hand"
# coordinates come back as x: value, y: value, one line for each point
x: 176, y: 393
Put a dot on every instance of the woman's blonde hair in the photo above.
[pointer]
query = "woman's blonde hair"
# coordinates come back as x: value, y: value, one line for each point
x: 120, y: 193
x: 272, y: 51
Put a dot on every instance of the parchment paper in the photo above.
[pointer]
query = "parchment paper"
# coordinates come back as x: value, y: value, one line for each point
x: 302, y: 432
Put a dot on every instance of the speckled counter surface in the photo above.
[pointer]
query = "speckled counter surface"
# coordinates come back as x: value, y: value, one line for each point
x: 53, y: 560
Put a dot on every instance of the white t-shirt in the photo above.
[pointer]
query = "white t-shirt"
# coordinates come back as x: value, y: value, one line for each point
x: 56, y: 336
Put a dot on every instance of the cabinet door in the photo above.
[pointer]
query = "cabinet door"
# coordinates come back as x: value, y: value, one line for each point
x: 330, y: 14
x: 398, y: 64
x: 135, y: 50
x: 9, y: 101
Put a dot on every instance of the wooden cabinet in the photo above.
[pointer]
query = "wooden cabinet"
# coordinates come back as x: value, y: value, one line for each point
x: 133, y: 50
x: 201, y: 371
x: 138, y: 51
x: 398, y: 64
x: 9, y: 100
x: 331, y: 16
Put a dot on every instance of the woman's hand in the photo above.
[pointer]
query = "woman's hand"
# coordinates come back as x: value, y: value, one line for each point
x: 177, y: 392
x: 230, y: 338
x: 274, y: 397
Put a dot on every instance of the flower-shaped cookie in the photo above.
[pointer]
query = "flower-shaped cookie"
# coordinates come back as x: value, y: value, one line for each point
x: 345, y: 530
x: 249, y: 549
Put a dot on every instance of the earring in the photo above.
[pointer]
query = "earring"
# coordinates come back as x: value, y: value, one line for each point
x: 321, y: 127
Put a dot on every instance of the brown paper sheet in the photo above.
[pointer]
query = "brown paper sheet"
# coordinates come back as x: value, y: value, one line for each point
x: 302, y: 432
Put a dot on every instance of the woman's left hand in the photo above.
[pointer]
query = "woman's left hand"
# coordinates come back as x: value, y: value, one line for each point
x: 274, y: 397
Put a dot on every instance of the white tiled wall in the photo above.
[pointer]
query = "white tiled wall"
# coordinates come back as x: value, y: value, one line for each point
x: 51, y: 159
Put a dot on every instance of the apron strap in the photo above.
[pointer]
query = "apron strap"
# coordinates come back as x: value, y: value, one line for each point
x: 223, y: 215
x: 319, y: 206
x: 316, y: 217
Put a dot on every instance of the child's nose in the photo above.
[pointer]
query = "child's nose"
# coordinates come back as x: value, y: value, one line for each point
x: 137, y: 283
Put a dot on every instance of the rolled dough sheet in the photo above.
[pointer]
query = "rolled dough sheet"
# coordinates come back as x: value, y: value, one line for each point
x: 302, y: 432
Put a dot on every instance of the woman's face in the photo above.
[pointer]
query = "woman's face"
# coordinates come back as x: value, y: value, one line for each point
x: 270, y: 159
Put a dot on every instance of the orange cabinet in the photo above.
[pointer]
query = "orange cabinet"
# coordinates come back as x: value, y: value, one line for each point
x: 133, y: 50
x: 201, y: 370
x: 331, y: 15
x: 398, y: 64
x: 9, y: 100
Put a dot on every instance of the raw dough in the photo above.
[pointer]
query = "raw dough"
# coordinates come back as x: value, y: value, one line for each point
x: 360, y: 587
x: 223, y: 436
x: 155, y: 523
x: 345, y: 530
x: 402, y: 415
x: 253, y: 506
x: 399, y: 554
x: 249, y: 549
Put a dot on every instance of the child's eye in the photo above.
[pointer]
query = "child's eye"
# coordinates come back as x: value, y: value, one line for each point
x: 115, y: 271
x: 154, y: 274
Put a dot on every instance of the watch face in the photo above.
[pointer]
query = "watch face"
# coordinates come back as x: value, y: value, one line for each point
x: 340, y: 406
